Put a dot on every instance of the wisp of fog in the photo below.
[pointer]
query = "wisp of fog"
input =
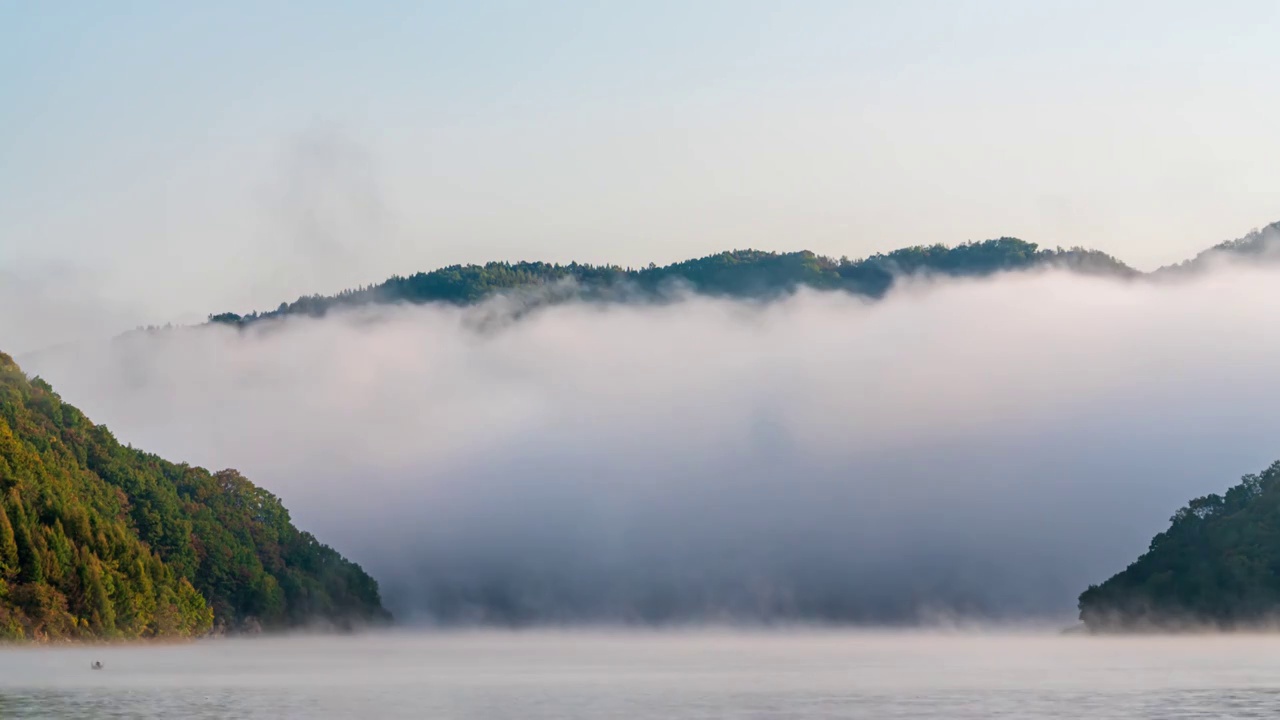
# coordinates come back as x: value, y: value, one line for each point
x: 982, y: 448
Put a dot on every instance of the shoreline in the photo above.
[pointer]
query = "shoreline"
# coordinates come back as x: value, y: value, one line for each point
x: 1070, y: 633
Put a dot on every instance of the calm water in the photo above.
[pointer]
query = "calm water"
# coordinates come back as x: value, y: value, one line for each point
x: 653, y: 675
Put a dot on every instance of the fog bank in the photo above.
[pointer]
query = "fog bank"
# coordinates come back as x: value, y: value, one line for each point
x: 983, y: 448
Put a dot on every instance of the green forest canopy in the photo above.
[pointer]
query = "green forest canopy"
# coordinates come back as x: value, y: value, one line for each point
x: 98, y: 539
x: 745, y: 274
x: 1218, y: 565
x: 739, y: 274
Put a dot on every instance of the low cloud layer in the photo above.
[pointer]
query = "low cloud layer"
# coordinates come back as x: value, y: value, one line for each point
x: 976, y: 447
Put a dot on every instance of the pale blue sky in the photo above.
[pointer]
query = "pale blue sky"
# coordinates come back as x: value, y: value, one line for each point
x: 170, y: 159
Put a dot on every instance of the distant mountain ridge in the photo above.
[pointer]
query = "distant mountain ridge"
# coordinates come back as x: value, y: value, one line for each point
x: 745, y: 274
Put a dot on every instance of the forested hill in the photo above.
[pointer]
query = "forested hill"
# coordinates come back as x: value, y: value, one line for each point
x: 737, y: 274
x: 1261, y: 245
x: 101, y: 540
x: 1218, y: 565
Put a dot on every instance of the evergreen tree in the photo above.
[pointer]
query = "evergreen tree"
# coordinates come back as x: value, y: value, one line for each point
x: 8, y: 546
x: 31, y: 570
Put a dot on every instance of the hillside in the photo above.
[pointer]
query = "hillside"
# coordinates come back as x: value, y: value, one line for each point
x: 749, y: 274
x: 1218, y: 565
x: 1258, y: 246
x: 101, y: 540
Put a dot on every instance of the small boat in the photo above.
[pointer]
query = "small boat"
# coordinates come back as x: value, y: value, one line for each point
x: 96, y: 665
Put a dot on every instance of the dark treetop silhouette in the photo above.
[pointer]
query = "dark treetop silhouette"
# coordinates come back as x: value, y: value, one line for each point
x: 744, y: 274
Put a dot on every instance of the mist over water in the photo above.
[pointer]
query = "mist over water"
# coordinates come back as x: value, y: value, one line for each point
x: 982, y: 448
x: 680, y: 675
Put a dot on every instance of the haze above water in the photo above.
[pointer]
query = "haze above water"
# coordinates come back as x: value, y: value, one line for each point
x: 983, y: 448
x: 701, y: 674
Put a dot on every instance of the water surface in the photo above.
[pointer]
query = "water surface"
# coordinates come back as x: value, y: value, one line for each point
x: 678, y: 675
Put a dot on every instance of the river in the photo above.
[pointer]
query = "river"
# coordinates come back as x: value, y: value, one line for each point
x: 540, y: 675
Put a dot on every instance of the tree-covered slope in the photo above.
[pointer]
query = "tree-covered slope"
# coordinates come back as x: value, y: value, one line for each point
x: 740, y: 274
x: 101, y: 540
x: 1217, y: 565
x: 1259, y: 246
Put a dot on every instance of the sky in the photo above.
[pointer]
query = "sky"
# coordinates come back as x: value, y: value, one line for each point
x: 997, y: 443
x: 162, y: 161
